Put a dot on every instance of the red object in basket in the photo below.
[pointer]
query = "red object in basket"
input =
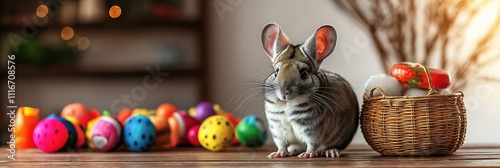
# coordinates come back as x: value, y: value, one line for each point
x: 413, y: 74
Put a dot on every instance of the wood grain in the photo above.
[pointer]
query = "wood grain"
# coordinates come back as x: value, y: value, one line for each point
x: 354, y: 156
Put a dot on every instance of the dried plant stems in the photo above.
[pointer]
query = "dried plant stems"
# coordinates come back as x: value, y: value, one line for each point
x: 429, y: 32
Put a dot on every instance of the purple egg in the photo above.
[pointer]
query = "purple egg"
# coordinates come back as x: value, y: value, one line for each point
x: 203, y: 110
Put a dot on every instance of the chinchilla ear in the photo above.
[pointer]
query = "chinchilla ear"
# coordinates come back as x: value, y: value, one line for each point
x: 274, y: 40
x: 320, y: 44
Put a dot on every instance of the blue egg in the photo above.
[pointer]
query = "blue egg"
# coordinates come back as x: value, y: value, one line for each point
x: 139, y: 134
x: 72, y: 134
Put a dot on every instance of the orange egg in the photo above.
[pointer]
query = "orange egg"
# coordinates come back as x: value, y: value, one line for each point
x: 165, y: 110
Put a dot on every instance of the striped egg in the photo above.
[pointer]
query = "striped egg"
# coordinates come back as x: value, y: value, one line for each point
x: 79, y: 130
x: 106, y: 133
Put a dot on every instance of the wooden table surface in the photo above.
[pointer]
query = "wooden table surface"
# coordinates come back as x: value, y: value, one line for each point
x: 354, y: 156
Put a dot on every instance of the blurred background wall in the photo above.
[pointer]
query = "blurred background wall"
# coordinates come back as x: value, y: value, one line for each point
x: 237, y: 56
x: 217, y: 56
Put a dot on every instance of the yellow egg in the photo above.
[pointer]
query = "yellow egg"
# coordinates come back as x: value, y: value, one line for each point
x: 192, y: 111
x: 216, y: 133
x: 146, y: 112
x: 88, y: 132
x: 218, y: 110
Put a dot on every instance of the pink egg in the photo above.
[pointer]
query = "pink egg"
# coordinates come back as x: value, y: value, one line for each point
x: 106, y: 133
x: 50, y: 135
x: 192, y: 135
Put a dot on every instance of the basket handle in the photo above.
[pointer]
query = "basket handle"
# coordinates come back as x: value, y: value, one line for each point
x: 429, y: 80
x: 378, y: 89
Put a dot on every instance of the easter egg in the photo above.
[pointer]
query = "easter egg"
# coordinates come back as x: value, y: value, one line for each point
x: 165, y: 110
x: 50, y: 135
x: 180, y: 125
x: 165, y: 138
x: 88, y: 132
x: 251, y: 132
x: 123, y: 115
x: 188, y: 123
x: 192, y: 111
x: 218, y: 110
x: 174, y: 129
x: 203, y: 110
x: 72, y: 134
x: 80, y: 141
x: 216, y: 133
x: 106, y: 133
x: 139, y: 134
x: 78, y: 110
x: 235, y: 121
x: 413, y: 74
x: 26, y: 121
x: 192, y: 135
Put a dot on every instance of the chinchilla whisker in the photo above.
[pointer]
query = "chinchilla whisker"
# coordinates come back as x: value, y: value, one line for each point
x: 324, y: 103
x: 326, y: 98
x: 326, y: 93
x: 241, y: 92
x: 251, y: 102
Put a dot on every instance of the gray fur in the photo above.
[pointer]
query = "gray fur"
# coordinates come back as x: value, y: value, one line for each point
x: 320, y: 115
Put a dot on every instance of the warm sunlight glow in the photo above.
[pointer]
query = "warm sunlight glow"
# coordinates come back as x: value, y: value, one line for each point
x: 485, y: 18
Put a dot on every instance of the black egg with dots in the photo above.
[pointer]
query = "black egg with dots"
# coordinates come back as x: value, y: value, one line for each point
x: 216, y: 133
x: 139, y: 134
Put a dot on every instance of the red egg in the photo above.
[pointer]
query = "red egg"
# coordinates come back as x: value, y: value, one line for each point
x: 235, y: 121
x: 412, y: 74
x: 192, y: 135
x: 188, y: 123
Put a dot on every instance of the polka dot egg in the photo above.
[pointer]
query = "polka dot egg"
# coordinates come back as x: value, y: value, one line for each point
x: 50, y: 135
x: 72, y: 134
x: 216, y: 133
x: 139, y: 134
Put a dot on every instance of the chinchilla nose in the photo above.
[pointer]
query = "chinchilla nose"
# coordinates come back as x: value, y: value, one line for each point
x: 285, y: 93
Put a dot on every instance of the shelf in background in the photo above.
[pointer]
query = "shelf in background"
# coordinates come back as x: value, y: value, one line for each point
x: 68, y: 71
x: 171, y: 23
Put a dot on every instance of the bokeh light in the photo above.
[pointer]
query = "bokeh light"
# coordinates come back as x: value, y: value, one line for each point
x: 83, y: 43
x: 73, y: 41
x: 67, y: 33
x: 115, y: 11
x: 42, y: 11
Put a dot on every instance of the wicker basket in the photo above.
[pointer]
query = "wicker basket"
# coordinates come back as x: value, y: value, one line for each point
x: 414, y: 125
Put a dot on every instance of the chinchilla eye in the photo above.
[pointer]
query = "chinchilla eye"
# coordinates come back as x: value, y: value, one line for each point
x: 303, y: 73
x: 276, y: 72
